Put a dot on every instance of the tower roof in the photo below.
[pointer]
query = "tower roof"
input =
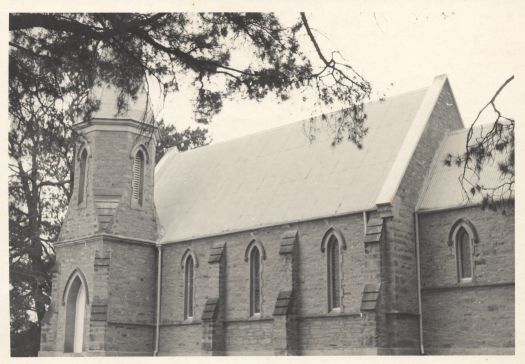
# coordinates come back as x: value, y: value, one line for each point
x: 138, y: 109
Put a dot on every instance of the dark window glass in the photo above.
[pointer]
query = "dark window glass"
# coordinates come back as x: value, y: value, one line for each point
x: 255, y: 281
x: 334, y: 284
x: 188, y: 288
x: 463, y: 254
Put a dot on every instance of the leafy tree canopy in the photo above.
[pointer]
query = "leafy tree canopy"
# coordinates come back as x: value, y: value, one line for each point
x: 80, y: 50
x: 170, y: 137
x: 56, y: 59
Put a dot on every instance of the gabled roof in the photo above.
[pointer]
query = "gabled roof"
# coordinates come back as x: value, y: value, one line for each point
x: 278, y: 176
x: 443, y: 189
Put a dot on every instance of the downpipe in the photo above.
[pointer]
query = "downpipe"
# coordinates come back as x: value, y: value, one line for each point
x: 418, y: 268
x: 157, y: 301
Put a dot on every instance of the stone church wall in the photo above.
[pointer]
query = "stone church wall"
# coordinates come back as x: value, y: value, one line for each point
x: 131, y: 297
x: 247, y: 335
x: 474, y: 317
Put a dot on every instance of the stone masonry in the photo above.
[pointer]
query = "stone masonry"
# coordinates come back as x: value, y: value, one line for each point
x: 486, y: 325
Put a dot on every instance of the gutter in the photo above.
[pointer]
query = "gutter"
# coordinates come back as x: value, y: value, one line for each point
x: 157, y: 300
x: 261, y: 227
x: 419, y: 303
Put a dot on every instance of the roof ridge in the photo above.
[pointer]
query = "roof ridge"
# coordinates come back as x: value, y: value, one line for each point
x: 263, y: 131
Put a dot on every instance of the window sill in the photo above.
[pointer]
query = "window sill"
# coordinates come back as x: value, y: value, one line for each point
x: 465, y: 281
x: 465, y: 285
x: 135, y: 205
x: 181, y: 323
x: 256, y: 317
x: 248, y: 320
x: 339, y: 315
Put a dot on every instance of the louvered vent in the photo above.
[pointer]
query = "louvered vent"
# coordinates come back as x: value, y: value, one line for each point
x: 138, y: 177
x: 82, y: 177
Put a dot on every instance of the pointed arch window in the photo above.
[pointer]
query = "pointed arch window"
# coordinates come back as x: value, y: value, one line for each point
x: 255, y: 281
x: 76, y: 300
x: 138, y: 178
x: 189, y: 274
x: 333, y: 274
x: 462, y: 239
x: 333, y: 244
x: 463, y: 255
x: 254, y: 255
x: 82, y: 176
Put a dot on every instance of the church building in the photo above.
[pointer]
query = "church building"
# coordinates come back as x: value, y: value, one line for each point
x: 277, y: 244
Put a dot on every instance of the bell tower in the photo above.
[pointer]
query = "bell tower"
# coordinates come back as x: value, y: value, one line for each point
x: 103, y: 295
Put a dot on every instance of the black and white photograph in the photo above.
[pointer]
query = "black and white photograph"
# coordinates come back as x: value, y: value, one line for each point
x: 321, y: 179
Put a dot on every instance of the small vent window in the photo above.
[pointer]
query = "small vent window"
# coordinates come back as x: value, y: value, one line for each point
x: 138, y: 178
x: 82, y: 176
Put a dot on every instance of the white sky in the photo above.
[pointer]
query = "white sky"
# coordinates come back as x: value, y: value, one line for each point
x: 478, y: 44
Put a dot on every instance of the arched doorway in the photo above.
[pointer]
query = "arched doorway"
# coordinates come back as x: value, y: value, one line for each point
x: 75, y: 316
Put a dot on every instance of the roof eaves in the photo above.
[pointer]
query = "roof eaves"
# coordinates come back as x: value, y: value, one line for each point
x: 449, y: 207
x: 411, y: 141
x: 259, y: 227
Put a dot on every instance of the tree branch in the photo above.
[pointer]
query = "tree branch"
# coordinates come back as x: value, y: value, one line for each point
x: 51, y: 22
x: 313, y: 40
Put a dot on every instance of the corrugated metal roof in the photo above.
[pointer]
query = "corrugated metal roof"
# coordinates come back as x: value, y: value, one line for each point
x: 443, y: 189
x: 279, y: 176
